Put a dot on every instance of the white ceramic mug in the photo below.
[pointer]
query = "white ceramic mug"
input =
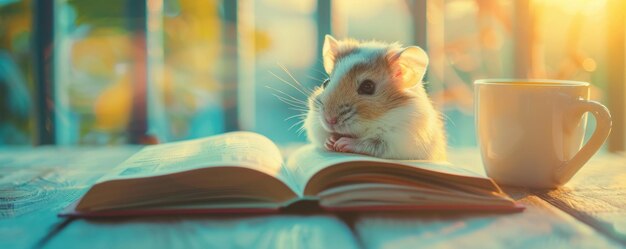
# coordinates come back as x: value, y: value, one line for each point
x: 531, y: 132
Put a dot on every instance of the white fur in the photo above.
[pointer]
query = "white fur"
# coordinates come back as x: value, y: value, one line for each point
x: 314, y: 130
x: 413, y: 131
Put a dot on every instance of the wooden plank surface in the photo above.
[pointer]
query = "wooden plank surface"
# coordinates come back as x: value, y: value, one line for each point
x: 35, y: 184
x: 539, y: 226
x: 279, y: 231
x: 596, y: 195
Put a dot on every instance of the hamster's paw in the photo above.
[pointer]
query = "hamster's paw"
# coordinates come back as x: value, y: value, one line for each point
x: 369, y: 146
x: 345, y: 144
x: 330, y: 142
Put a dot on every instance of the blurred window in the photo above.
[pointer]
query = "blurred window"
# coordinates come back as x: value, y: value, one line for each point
x: 206, y: 67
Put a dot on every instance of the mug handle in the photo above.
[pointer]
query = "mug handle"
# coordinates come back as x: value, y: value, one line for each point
x: 603, y: 127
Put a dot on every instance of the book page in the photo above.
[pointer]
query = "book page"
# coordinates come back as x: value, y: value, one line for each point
x: 240, y: 149
x: 308, y: 160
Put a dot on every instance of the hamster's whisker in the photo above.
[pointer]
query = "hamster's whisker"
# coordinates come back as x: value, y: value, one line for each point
x: 300, y: 115
x: 321, y: 72
x: 317, y: 101
x: 318, y: 104
x: 447, y: 118
x: 308, y: 91
x: 293, y: 106
x: 300, y: 130
x: 290, y: 84
x: 295, y: 124
x: 287, y: 96
x: 297, y: 109
x: 290, y: 101
x: 315, y: 79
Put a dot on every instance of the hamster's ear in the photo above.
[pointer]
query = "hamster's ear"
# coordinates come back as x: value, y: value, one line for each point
x: 409, y: 64
x: 329, y: 53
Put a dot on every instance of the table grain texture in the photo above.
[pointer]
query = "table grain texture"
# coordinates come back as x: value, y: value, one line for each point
x: 36, y: 183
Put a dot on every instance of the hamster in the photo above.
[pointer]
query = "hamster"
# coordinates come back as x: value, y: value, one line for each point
x: 374, y: 103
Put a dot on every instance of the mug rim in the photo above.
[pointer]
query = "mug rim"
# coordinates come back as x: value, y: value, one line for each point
x: 536, y: 82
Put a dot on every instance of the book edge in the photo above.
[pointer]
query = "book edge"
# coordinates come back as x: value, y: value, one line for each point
x: 71, y: 212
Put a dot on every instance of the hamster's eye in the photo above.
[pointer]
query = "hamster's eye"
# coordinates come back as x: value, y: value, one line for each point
x: 325, y: 83
x: 367, y: 87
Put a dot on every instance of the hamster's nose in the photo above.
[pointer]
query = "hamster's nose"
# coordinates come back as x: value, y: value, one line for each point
x: 331, y: 121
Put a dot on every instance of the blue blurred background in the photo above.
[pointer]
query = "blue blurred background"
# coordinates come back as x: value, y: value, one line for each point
x: 122, y: 71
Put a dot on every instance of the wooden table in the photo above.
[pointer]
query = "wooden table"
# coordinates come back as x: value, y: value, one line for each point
x: 35, y: 183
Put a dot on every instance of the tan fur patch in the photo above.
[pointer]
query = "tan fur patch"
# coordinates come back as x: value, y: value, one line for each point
x: 388, y: 94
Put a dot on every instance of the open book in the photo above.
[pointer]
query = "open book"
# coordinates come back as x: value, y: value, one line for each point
x: 245, y: 172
